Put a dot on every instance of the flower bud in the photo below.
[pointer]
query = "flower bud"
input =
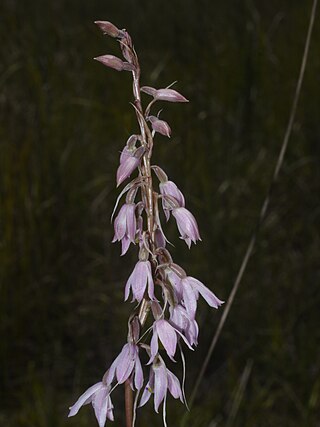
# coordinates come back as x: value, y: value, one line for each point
x: 114, y: 62
x: 169, y: 95
x: 149, y: 90
x: 160, y: 126
x: 108, y: 28
x: 161, y: 175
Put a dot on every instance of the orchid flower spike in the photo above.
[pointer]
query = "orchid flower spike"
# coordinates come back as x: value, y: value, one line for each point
x: 155, y: 275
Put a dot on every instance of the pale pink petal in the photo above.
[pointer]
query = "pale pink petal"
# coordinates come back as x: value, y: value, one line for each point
x: 160, y: 385
x: 138, y: 377
x: 110, y: 409
x: 125, y: 243
x: 139, y: 280
x: 167, y: 336
x: 145, y: 395
x: 154, y: 345
x: 174, y: 386
x: 189, y: 297
x: 150, y: 282
x: 169, y: 188
x: 100, y: 405
x: 125, y: 364
x: 131, y: 222
x: 208, y: 295
x: 126, y: 168
x: 85, y: 398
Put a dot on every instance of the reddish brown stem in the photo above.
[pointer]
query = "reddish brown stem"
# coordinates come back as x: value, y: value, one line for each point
x: 147, y: 142
x: 128, y: 397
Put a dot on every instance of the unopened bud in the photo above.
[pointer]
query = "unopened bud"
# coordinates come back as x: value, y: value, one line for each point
x: 161, y: 175
x: 114, y: 62
x: 160, y: 126
x: 149, y: 90
x: 169, y: 95
x: 108, y: 28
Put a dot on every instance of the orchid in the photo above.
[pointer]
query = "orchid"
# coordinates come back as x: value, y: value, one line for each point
x: 159, y: 287
x: 125, y: 226
x: 125, y: 364
x: 139, y: 280
x: 161, y: 380
x: 99, y: 396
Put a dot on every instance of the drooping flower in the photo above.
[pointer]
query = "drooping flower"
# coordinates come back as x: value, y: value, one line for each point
x: 185, y: 323
x: 168, y: 335
x: 128, y: 164
x: 160, y: 380
x: 191, y: 289
x: 166, y: 94
x: 187, y: 225
x: 169, y: 188
x: 99, y: 396
x: 127, y: 363
x: 160, y: 126
x: 125, y: 226
x: 139, y: 280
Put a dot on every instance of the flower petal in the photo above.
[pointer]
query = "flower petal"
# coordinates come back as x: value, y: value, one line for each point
x: 154, y: 345
x: 174, y: 385
x: 85, y: 398
x: 100, y: 405
x: 145, y: 395
x: 167, y: 336
x: 138, y: 377
x: 160, y: 384
x: 208, y: 295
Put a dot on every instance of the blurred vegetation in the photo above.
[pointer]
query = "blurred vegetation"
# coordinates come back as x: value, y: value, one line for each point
x: 64, y: 119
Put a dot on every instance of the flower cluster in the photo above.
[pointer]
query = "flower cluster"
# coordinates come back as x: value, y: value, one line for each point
x: 159, y: 286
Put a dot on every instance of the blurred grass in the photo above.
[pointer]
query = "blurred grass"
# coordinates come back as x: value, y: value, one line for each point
x: 64, y: 120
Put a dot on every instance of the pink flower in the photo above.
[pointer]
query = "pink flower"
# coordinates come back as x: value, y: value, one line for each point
x: 160, y: 126
x: 186, y: 324
x: 191, y: 288
x: 167, y: 334
x: 160, y: 380
x: 99, y: 396
x: 164, y: 94
x: 187, y: 225
x: 125, y: 226
x: 129, y: 161
x: 125, y: 364
x: 139, y: 280
x: 169, y: 188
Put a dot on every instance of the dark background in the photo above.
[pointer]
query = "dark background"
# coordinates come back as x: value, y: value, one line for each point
x: 64, y: 119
